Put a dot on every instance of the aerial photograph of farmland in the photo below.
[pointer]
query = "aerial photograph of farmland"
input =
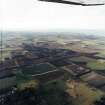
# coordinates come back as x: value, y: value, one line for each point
x: 52, y: 68
x: 52, y: 52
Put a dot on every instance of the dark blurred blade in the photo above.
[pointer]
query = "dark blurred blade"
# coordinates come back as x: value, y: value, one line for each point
x: 62, y: 1
x: 78, y: 2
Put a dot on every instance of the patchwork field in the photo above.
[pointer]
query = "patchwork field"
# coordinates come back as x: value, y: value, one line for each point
x: 85, y: 49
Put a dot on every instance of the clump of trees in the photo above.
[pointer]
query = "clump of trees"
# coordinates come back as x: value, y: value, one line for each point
x: 100, y: 102
x: 49, y: 94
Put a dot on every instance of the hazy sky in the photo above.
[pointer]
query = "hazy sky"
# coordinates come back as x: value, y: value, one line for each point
x: 37, y: 15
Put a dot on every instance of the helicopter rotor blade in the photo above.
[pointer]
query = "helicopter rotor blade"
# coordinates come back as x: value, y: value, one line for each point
x: 74, y: 2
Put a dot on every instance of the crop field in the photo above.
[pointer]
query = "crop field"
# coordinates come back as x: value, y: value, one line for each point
x: 94, y: 79
x: 87, y: 46
x: 59, y: 63
x: 85, y: 94
x: 37, y: 69
x: 23, y: 81
x: 101, y: 54
x: 20, y: 78
x: 6, y: 52
x: 83, y: 49
x: 4, y: 55
x: 96, y: 65
x: 81, y: 59
x: 88, y: 42
x: 52, y: 76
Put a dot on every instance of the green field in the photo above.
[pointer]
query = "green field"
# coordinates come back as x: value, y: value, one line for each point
x: 37, y: 69
x: 101, y: 54
x: 20, y: 78
x: 23, y: 82
x: 96, y: 65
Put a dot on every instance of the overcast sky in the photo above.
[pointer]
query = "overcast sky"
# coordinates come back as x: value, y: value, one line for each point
x: 36, y: 15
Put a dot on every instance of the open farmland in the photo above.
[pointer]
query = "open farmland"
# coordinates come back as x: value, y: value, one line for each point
x: 101, y: 54
x: 52, y: 76
x: 37, y: 69
x: 89, y: 42
x: 6, y: 52
x: 87, y: 46
x: 96, y: 65
x: 81, y: 59
x: 85, y: 49
x: 60, y: 63
x: 20, y: 78
x: 65, y: 67
x: 94, y: 79
x: 4, y: 55
x: 84, y: 94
